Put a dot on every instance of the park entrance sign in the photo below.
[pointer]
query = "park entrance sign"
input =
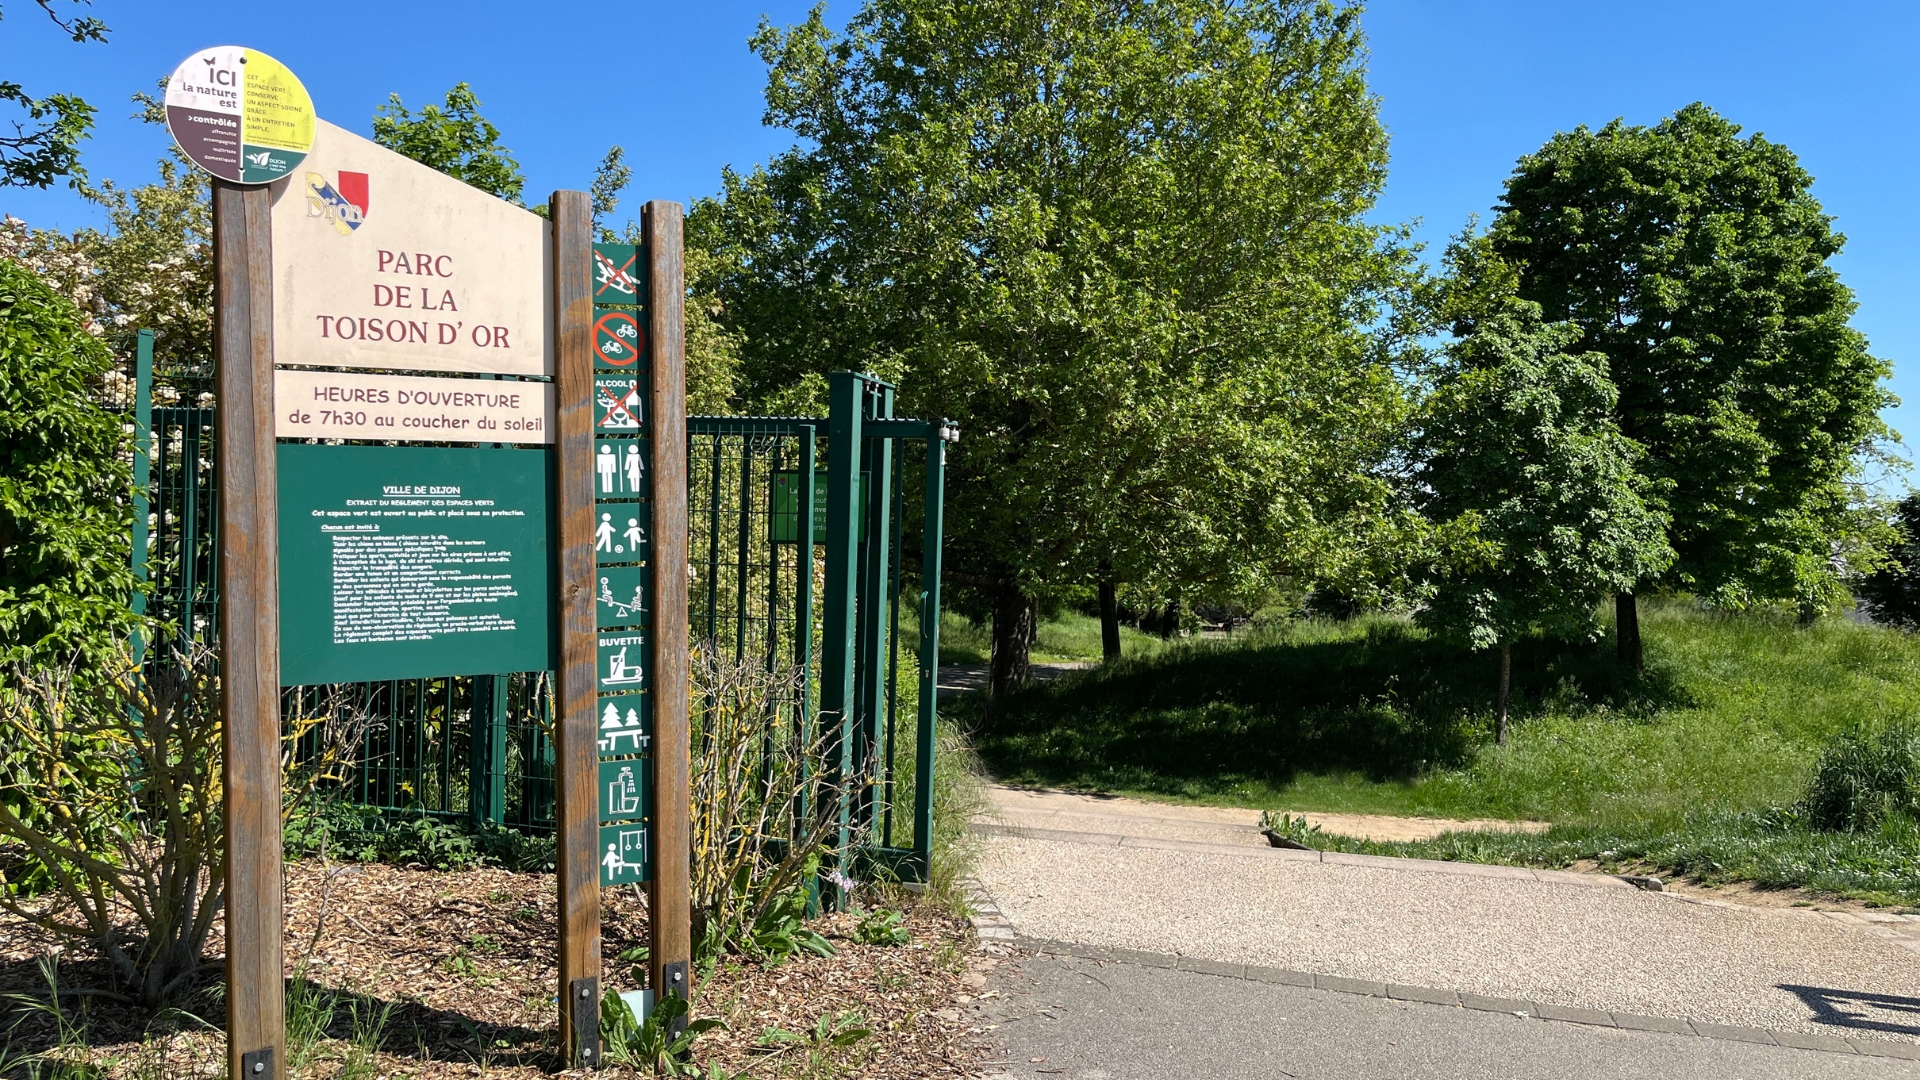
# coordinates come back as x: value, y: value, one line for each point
x: 402, y: 562
x: 451, y: 440
x: 382, y: 262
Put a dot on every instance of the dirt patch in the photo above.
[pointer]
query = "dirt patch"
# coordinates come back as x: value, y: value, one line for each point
x: 458, y: 969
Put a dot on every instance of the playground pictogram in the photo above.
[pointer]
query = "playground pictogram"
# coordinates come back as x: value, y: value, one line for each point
x: 616, y: 340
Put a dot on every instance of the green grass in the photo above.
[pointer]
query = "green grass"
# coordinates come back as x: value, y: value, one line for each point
x: 1686, y: 768
x: 1071, y: 638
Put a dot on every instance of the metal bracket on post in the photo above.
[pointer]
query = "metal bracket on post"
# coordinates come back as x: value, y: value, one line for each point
x: 257, y: 1063
x: 583, y: 997
x: 675, y: 977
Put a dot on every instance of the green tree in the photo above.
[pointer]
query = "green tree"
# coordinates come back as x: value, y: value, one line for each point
x: 1122, y: 245
x: 1697, y: 262
x: 37, y: 156
x: 454, y: 139
x: 64, y: 478
x: 1526, y: 472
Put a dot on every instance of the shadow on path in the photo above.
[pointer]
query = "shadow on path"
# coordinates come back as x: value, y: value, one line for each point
x: 1859, y: 1010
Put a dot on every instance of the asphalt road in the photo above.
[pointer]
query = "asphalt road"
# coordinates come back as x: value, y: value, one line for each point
x: 1063, y: 1018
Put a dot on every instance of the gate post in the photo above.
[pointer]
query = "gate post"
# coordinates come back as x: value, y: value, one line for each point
x: 870, y: 668
x: 844, y: 393
x: 929, y: 645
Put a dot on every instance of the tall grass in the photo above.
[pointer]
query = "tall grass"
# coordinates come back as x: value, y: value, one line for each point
x: 1373, y: 715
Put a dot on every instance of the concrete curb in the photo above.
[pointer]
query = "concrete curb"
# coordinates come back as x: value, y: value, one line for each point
x: 997, y: 935
x: 1335, y: 858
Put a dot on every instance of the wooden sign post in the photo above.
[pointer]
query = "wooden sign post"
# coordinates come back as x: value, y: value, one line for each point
x: 249, y: 628
x: 575, y: 832
x: 670, y: 907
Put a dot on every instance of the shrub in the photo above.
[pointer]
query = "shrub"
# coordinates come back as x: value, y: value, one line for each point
x: 110, y: 806
x: 1865, y: 776
x: 64, y: 480
x: 762, y: 817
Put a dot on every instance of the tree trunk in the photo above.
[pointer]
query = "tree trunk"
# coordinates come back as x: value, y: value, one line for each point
x: 1626, y: 625
x: 1170, y: 625
x: 1506, y: 687
x: 1109, y: 614
x: 1013, y: 633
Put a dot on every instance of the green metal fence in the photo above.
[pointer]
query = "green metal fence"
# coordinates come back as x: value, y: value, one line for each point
x: 865, y: 635
x: 765, y: 586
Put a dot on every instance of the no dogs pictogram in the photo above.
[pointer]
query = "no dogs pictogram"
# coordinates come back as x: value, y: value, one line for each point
x: 616, y: 339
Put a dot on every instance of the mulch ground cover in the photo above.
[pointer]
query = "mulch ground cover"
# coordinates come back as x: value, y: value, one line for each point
x: 411, y: 973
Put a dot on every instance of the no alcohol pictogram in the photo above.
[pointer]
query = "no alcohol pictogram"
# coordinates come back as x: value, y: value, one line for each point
x: 616, y: 340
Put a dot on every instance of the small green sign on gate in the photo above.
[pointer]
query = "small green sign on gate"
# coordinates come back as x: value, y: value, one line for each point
x: 785, y: 518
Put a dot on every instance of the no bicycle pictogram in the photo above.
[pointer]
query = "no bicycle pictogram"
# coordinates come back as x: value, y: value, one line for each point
x: 616, y: 339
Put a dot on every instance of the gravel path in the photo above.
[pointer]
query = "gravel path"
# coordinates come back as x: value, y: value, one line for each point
x: 1557, y: 942
x: 1048, y: 809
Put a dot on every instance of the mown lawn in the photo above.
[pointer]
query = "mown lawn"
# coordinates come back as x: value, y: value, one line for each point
x: 1695, y: 767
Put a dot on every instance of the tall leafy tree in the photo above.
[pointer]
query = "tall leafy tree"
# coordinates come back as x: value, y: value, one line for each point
x: 1525, y: 470
x: 36, y: 155
x: 1697, y: 261
x: 1122, y: 244
x: 453, y: 138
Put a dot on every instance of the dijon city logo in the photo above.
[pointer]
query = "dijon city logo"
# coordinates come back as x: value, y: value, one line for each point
x: 344, y: 202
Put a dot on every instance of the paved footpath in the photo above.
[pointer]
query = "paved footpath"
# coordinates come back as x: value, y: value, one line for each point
x: 1339, y: 952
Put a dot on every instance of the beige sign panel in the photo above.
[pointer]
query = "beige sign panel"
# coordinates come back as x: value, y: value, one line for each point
x: 357, y: 405
x: 381, y: 262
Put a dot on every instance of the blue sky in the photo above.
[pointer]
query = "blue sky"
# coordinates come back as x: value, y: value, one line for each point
x: 1466, y: 87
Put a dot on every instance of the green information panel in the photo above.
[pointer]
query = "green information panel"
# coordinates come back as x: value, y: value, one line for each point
x: 402, y: 562
x: 619, y: 402
x: 626, y: 724
x: 625, y: 793
x: 623, y: 661
x: 620, y: 597
x: 625, y: 856
x: 618, y: 341
x: 620, y: 468
x: 620, y: 532
x: 616, y: 274
x: 785, y: 519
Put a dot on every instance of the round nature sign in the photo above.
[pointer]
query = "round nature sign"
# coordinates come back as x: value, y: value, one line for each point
x: 239, y: 114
